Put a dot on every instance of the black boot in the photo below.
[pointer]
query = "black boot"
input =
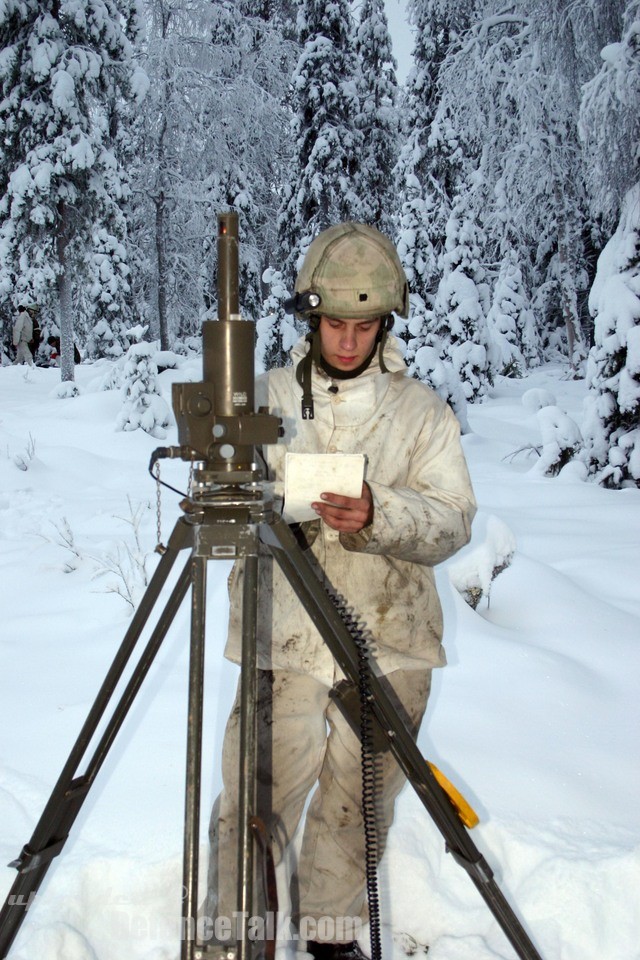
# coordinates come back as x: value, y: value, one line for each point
x: 335, y: 951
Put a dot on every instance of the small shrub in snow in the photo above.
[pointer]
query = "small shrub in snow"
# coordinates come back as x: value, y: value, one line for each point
x: 24, y: 460
x: 490, y: 551
x: 143, y: 408
x: 65, y: 390
x: 66, y: 539
x: 128, y: 562
x: 561, y: 440
x: 112, y: 379
x: 166, y: 360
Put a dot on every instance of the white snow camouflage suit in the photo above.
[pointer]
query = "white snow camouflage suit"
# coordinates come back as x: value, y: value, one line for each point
x: 22, y: 335
x: 423, y: 508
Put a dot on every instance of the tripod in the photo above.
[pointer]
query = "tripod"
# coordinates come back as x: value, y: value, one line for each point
x: 231, y: 525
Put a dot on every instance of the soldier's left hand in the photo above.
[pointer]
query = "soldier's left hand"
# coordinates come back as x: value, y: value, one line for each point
x: 346, y: 514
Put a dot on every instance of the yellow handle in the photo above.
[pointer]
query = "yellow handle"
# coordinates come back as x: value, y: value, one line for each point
x: 466, y: 813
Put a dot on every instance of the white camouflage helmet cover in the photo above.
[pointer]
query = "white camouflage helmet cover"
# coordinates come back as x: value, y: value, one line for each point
x: 357, y: 273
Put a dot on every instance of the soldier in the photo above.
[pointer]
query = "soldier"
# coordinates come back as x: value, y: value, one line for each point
x: 23, y: 334
x: 346, y: 392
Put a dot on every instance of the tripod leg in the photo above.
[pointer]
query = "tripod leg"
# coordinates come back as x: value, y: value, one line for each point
x: 71, y: 789
x: 194, y: 758
x: 317, y: 603
x: 248, y: 741
x: 192, y: 947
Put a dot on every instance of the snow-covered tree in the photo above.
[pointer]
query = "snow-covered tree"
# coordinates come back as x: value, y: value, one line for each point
x: 102, y: 341
x: 377, y: 119
x: 432, y: 152
x: 108, y: 310
x: 432, y: 366
x: 610, y: 131
x: 431, y: 166
x: 214, y: 137
x: 461, y: 302
x: 511, y: 333
x: 612, y: 417
x: 504, y: 118
x: 544, y: 174
x: 276, y: 332
x: 258, y: 150
x: 610, y: 120
x: 64, y: 63
x: 322, y: 187
x: 561, y: 440
x: 143, y: 407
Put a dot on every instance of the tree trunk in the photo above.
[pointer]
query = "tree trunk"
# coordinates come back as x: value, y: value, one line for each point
x: 568, y: 297
x: 160, y: 197
x: 65, y: 303
x: 567, y: 245
x: 161, y: 257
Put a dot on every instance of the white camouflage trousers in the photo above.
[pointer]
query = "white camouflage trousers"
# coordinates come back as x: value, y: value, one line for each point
x: 23, y: 354
x: 304, y: 740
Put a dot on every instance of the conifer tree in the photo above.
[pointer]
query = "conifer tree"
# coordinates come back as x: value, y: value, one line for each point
x: 461, y: 302
x: 612, y: 419
x: 430, y: 168
x: 260, y: 68
x: 608, y: 121
x: 275, y: 331
x: 377, y: 119
x: 430, y: 159
x: 511, y: 330
x: 322, y: 188
x: 610, y: 127
x: 144, y: 407
x: 64, y: 64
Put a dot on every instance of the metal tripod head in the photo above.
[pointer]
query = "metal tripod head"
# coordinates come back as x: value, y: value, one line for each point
x: 217, y: 425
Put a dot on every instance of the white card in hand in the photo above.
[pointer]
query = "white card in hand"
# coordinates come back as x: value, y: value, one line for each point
x: 307, y: 475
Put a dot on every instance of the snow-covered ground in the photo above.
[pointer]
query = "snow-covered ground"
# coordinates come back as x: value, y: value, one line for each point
x: 535, y: 719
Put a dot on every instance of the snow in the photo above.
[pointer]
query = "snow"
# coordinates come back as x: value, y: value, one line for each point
x: 536, y: 398
x: 139, y: 84
x: 535, y: 719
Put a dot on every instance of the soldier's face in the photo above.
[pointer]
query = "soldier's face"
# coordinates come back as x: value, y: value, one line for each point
x: 345, y: 344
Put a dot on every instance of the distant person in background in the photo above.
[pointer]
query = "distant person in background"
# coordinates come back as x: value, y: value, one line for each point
x: 54, y: 356
x: 23, y: 335
x: 36, y: 338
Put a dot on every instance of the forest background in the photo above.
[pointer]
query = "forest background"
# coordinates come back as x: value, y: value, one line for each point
x: 505, y: 166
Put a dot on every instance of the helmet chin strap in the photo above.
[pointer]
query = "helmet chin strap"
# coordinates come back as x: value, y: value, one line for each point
x: 314, y: 358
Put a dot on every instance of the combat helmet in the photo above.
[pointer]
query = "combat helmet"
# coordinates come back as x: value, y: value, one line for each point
x: 350, y: 271
x: 355, y: 272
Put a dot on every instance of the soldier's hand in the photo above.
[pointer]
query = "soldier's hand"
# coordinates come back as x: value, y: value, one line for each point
x: 346, y: 514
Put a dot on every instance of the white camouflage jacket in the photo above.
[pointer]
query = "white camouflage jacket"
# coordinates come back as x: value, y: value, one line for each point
x: 22, y: 328
x: 423, y: 508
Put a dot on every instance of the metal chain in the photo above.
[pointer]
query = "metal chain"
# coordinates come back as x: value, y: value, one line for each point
x: 160, y: 547
x: 369, y: 758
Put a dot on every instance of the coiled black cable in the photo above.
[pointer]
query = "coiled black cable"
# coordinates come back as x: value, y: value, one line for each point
x: 368, y: 756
